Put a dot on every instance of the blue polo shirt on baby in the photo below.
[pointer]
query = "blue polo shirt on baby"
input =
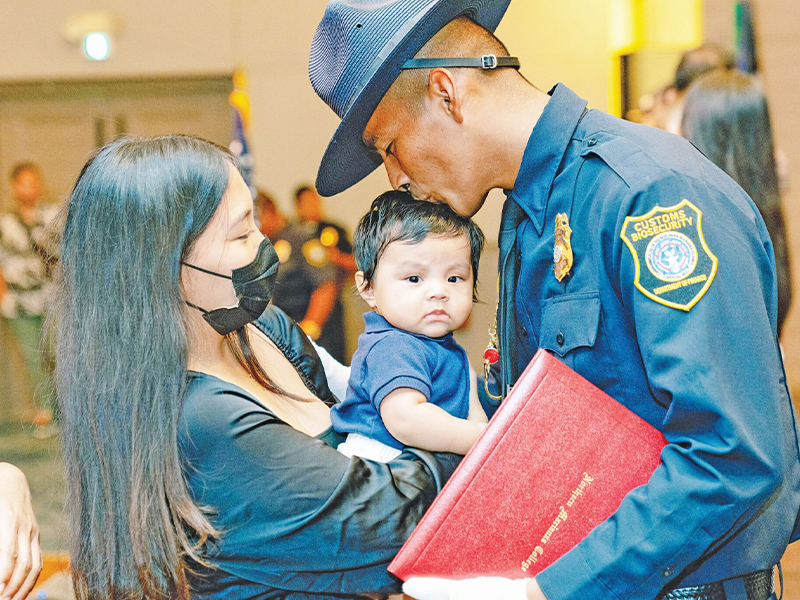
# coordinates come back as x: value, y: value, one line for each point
x: 389, y: 358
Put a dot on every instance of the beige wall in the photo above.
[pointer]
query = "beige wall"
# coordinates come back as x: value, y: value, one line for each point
x: 179, y: 36
x: 290, y: 125
x: 566, y: 41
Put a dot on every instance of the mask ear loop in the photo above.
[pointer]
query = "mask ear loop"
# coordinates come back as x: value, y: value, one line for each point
x: 202, y: 270
x: 202, y: 310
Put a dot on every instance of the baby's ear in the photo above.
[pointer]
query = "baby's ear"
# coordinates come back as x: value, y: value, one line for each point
x: 365, y: 289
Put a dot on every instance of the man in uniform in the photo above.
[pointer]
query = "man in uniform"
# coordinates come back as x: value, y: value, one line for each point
x: 316, y: 260
x: 623, y: 252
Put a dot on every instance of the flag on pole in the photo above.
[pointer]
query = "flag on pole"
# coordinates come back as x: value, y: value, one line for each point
x: 745, y: 38
x: 239, y: 145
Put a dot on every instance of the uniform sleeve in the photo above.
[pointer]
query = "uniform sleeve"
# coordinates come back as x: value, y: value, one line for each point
x: 715, y: 369
x: 397, y: 361
x: 293, y: 513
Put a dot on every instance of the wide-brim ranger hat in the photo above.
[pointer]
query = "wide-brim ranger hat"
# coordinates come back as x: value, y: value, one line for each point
x: 357, y: 53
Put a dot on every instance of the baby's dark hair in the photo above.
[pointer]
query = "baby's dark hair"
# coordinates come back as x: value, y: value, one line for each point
x: 396, y: 217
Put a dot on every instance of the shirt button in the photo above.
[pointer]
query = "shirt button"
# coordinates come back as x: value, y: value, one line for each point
x: 560, y: 338
x: 592, y: 142
x: 524, y: 332
x: 519, y: 257
x: 667, y: 572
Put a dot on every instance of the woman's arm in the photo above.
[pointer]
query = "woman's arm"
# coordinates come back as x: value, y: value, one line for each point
x: 20, y: 555
x: 294, y: 513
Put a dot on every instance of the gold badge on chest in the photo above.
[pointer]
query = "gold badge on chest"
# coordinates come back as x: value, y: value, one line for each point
x: 562, y: 248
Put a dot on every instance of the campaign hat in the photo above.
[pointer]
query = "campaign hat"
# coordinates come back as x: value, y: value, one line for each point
x: 358, y: 50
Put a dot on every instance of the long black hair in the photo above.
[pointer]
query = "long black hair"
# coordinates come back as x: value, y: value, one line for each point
x: 727, y: 118
x: 136, y: 209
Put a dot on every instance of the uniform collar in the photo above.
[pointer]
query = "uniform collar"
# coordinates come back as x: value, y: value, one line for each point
x: 544, y: 152
x: 375, y: 323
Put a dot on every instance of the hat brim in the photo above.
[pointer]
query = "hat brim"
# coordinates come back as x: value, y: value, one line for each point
x: 347, y: 160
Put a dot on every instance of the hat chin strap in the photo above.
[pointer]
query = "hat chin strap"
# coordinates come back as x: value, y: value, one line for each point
x: 487, y: 62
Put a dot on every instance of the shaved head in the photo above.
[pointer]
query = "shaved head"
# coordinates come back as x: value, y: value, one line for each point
x: 461, y: 38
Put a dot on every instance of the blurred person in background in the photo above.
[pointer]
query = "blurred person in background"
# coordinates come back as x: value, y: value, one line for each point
x: 270, y: 219
x: 693, y: 64
x: 664, y: 108
x: 316, y: 261
x: 726, y: 117
x: 26, y: 259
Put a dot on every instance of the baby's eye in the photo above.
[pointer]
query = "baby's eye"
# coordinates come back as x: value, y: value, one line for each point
x: 413, y: 279
x: 454, y: 279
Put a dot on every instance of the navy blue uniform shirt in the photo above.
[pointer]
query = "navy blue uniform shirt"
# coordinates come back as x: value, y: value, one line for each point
x: 389, y: 358
x: 670, y: 307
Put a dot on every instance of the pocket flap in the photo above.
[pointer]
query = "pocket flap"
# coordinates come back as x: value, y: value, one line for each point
x: 570, y: 322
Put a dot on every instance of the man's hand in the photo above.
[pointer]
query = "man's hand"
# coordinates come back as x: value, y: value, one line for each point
x: 479, y: 588
x: 20, y: 555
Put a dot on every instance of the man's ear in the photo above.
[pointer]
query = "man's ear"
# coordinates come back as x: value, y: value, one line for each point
x: 365, y: 289
x: 444, y: 91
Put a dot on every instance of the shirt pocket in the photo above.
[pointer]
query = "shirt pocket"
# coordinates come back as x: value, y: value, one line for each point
x: 569, y: 322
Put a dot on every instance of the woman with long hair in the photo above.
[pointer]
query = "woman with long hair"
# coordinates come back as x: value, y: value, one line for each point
x: 726, y: 117
x: 196, y: 428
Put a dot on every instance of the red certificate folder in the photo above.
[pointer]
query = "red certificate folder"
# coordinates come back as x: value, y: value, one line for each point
x: 556, y: 460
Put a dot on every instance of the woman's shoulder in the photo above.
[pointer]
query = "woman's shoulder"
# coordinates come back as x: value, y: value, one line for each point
x: 213, y: 408
x: 298, y: 349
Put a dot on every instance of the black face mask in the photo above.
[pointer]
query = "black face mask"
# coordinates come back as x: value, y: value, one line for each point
x: 253, y: 285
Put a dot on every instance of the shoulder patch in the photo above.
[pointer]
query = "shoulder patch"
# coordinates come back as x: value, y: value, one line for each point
x: 674, y: 266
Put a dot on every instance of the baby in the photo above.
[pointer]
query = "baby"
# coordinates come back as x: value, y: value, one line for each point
x: 411, y: 383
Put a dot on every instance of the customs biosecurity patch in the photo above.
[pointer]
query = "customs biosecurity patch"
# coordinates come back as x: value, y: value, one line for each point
x: 674, y: 266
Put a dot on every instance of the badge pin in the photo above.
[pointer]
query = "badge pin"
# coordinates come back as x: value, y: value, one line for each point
x: 562, y: 248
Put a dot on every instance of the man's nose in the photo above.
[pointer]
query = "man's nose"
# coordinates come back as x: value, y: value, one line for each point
x: 397, y: 177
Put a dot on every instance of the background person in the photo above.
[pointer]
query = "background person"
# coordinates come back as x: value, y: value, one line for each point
x: 270, y: 219
x: 727, y: 118
x: 689, y: 346
x: 316, y: 260
x: 26, y: 259
x: 694, y: 63
x: 200, y: 458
